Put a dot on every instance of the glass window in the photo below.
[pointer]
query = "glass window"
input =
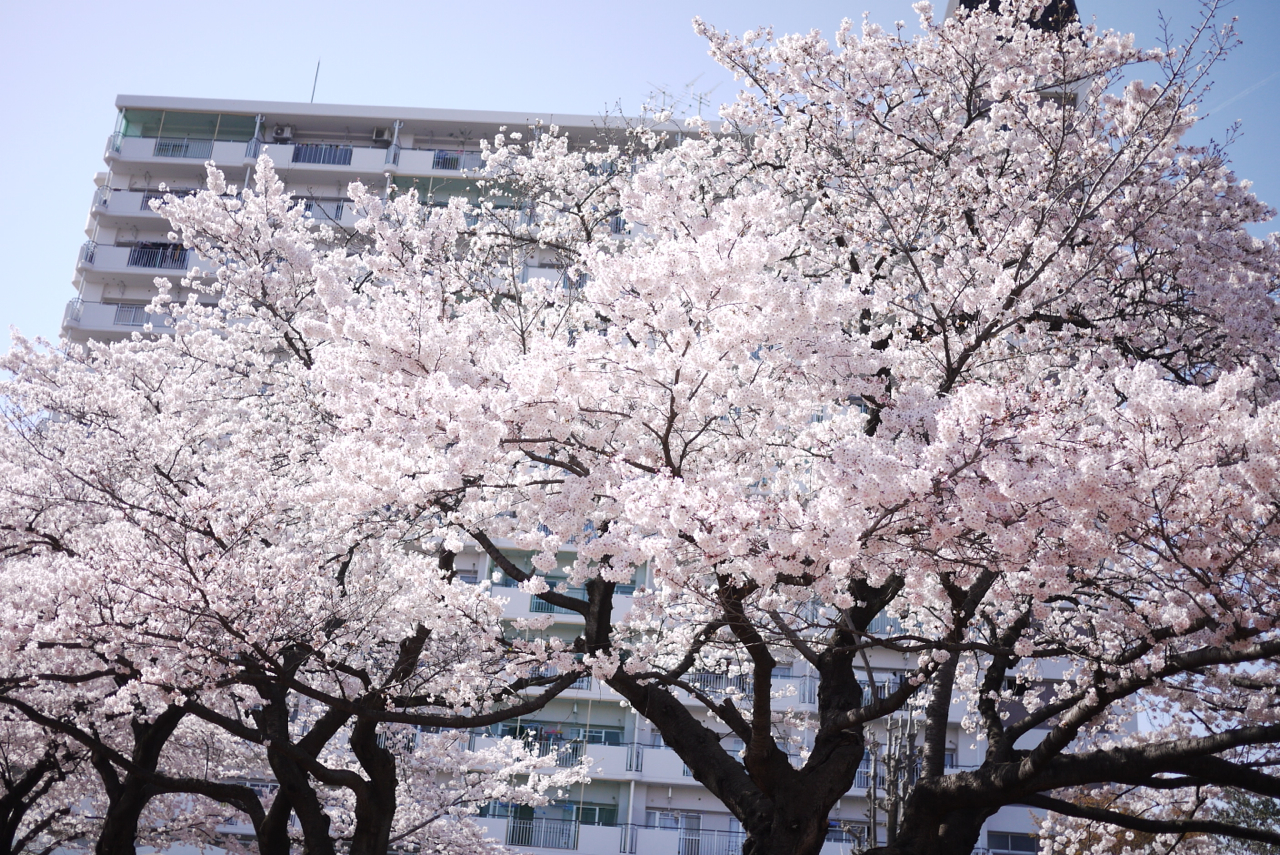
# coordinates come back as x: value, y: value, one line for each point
x: 142, y: 123
x: 1008, y: 841
x: 597, y: 815
x: 236, y: 128
x: 200, y: 126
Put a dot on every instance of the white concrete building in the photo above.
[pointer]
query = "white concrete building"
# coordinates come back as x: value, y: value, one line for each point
x: 642, y: 798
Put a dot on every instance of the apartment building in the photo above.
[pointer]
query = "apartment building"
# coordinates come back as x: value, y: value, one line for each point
x: 641, y: 797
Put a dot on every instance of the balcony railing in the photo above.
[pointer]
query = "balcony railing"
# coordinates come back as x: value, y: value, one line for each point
x: 324, y: 209
x: 163, y: 256
x: 112, y: 318
x: 88, y: 251
x: 181, y: 147
x: 113, y: 144
x: 148, y: 195
x: 722, y: 683
x: 711, y: 842
x: 457, y: 160
x: 540, y: 607
x: 131, y: 316
x: 322, y: 153
x: 691, y: 841
x: 543, y: 833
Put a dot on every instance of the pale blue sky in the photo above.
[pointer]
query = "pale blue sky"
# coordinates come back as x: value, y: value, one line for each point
x: 64, y: 63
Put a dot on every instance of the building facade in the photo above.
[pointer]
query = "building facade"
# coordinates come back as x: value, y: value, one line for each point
x: 641, y: 797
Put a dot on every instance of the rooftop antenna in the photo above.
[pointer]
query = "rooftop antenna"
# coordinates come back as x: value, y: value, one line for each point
x: 315, y: 80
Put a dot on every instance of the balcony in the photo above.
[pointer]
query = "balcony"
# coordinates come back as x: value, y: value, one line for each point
x: 543, y: 833
x: 142, y: 256
x: 174, y: 147
x: 422, y: 161
x: 170, y: 149
x: 325, y: 157
x: 324, y: 210
x: 110, y: 320
x: 159, y: 256
x: 522, y: 604
x: 329, y: 155
x: 651, y: 840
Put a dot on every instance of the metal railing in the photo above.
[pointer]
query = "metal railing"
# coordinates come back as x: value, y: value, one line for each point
x: 324, y: 209
x: 543, y: 833
x: 711, y: 842
x: 102, y: 197
x: 691, y: 841
x: 566, y: 753
x: 148, y: 195
x: 183, y: 147
x: 252, y: 149
x: 617, y: 225
x: 393, y: 155
x: 113, y: 144
x: 163, y: 257
x: 322, y: 153
x: 88, y: 251
x: 542, y: 607
x: 131, y: 316
x: 721, y: 683
x: 883, y: 624
x: 456, y: 160
x: 75, y: 307
x: 862, y: 779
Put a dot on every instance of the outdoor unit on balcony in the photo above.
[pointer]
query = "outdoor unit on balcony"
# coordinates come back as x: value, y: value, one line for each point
x: 382, y: 136
x: 282, y: 134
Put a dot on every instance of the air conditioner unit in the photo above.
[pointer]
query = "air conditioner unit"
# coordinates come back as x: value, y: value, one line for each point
x: 382, y: 136
x: 282, y: 133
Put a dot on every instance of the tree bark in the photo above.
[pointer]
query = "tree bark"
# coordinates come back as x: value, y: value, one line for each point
x: 127, y: 800
x: 273, y: 838
x: 376, y: 803
x: 295, y: 784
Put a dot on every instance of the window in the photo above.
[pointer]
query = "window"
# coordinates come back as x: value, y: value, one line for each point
x: 690, y: 823
x: 1010, y: 841
x: 597, y: 735
x: 184, y: 125
x: 597, y: 814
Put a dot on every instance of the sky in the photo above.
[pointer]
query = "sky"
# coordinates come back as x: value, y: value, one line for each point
x: 63, y: 64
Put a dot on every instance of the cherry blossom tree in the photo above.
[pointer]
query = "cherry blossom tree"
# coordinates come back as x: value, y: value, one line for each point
x: 172, y: 596
x: 952, y: 330
x: 950, y: 334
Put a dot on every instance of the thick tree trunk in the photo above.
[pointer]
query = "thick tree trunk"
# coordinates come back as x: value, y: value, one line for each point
x: 119, y: 835
x: 376, y: 806
x: 126, y: 803
x: 929, y: 827
x: 295, y: 784
x: 798, y: 826
x: 273, y: 837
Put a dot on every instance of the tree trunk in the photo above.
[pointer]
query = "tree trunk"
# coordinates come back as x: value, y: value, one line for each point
x: 928, y: 828
x: 798, y: 826
x: 273, y: 838
x: 119, y: 834
x: 272, y: 719
x: 376, y: 805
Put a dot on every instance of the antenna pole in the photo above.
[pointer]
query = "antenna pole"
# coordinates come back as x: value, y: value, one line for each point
x: 315, y: 81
